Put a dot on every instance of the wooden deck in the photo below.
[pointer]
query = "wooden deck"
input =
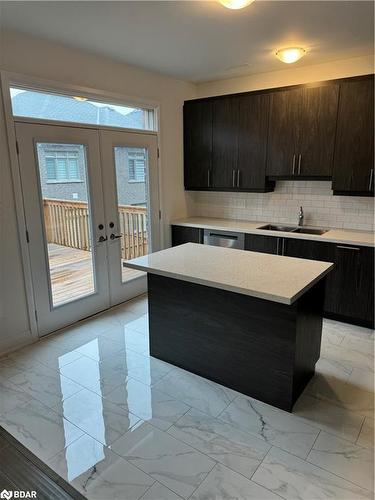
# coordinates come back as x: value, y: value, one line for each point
x: 72, y: 273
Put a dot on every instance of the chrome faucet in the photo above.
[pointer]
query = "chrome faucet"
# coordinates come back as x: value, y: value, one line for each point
x: 300, y: 217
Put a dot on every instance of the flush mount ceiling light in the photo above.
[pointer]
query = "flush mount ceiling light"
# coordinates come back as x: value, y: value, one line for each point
x: 290, y: 54
x: 79, y: 98
x: 235, y: 4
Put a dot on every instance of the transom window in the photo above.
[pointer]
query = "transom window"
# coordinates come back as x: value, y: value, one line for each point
x: 137, y: 165
x: 62, y: 166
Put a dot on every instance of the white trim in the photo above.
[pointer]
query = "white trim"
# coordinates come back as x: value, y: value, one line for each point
x: 8, y: 79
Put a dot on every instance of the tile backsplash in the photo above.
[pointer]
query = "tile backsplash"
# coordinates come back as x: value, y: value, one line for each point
x: 320, y: 207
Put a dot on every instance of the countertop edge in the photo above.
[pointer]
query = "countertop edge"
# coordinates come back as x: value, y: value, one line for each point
x: 255, y: 230
x: 222, y: 286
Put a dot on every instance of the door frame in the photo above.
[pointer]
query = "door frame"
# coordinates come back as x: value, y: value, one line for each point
x: 7, y: 79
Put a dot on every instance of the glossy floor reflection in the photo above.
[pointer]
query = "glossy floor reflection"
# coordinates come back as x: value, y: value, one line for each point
x: 116, y: 423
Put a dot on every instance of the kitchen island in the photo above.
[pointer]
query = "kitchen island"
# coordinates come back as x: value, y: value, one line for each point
x: 247, y: 320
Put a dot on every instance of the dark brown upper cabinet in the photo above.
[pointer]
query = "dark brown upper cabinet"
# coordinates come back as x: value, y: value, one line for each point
x: 353, y: 172
x: 252, y: 142
x: 198, y: 144
x: 302, y: 132
x: 225, y: 128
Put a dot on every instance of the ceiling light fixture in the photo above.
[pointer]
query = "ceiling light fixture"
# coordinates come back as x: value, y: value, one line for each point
x: 290, y: 54
x: 235, y: 4
x: 79, y: 98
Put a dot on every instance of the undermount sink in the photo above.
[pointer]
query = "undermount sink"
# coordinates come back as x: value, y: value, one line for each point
x: 309, y: 230
x: 293, y: 229
x: 276, y: 227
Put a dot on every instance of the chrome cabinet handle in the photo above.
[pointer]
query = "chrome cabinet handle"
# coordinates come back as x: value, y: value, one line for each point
x: 277, y: 248
x: 208, y: 177
x: 371, y: 179
x: 238, y: 178
x: 356, y: 249
x: 299, y: 164
x: 233, y: 177
x: 294, y: 164
x: 283, y: 247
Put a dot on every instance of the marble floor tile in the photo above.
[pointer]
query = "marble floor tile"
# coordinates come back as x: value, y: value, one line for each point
x: 293, y: 478
x: 43, y: 431
x: 274, y: 426
x: 224, y: 484
x: 331, y: 338
x: 236, y: 449
x: 352, y: 355
x: 128, y: 339
x: 333, y: 330
x: 347, y: 460
x: 140, y: 367
x: 171, y: 462
x: 359, y: 345
x: 328, y: 417
x: 97, y: 416
x: 11, y: 396
x: 98, y: 473
x: 160, y: 492
x: 15, y: 363
x: 196, y: 391
x: 342, y: 393
x: 332, y: 368
x: 138, y: 305
x: 366, y: 436
x: 92, y: 375
x: 46, y: 385
x: 147, y: 403
x: 347, y: 329
x: 363, y: 379
x: 140, y: 324
x: 100, y: 348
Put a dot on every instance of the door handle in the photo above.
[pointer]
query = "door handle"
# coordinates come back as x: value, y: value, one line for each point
x: 115, y: 236
x: 299, y: 164
x: 294, y: 164
x: 102, y: 238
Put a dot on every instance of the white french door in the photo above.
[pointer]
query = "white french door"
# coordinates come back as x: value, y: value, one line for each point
x: 91, y: 202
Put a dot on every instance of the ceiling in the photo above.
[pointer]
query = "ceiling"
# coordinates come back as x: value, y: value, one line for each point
x: 200, y: 41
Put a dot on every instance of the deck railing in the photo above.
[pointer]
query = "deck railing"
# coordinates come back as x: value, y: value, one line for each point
x: 67, y: 224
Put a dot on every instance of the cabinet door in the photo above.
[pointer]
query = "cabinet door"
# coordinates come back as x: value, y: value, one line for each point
x: 197, y: 144
x: 314, y: 250
x: 353, y: 283
x: 354, y: 148
x: 317, y: 124
x: 225, y: 142
x: 264, y: 244
x: 183, y: 234
x: 283, y: 132
x: 252, y: 141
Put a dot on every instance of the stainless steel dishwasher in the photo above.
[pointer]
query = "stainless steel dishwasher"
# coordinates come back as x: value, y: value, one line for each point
x: 227, y: 239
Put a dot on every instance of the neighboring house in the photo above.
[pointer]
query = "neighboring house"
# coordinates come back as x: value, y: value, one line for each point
x: 62, y: 166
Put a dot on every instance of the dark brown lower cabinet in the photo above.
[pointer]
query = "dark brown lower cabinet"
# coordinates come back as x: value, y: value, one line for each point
x: 350, y: 285
x: 183, y: 234
x: 264, y: 244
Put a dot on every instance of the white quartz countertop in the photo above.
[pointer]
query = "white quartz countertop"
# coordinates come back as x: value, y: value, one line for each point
x: 265, y: 276
x: 344, y: 236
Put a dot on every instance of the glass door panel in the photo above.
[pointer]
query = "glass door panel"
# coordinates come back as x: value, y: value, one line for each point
x: 131, y: 166
x: 64, y: 211
x: 131, y: 198
x: 62, y: 170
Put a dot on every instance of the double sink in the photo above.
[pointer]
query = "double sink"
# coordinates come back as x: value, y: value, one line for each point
x: 294, y: 229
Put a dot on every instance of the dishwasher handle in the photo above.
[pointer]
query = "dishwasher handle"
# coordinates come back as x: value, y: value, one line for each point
x: 226, y: 236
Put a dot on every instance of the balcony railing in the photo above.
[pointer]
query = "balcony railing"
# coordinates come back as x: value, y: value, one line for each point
x: 67, y: 224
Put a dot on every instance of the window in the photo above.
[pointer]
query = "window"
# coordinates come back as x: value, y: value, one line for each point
x: 62, y: 166
x: 137, y: 165
x: 47, y: 106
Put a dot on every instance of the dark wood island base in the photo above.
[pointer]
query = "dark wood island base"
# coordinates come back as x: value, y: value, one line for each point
x: 258, y: 347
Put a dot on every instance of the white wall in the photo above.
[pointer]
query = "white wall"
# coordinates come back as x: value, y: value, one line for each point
x: 289, y: 75
x: 321, y: 207
x: 30, y: 56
